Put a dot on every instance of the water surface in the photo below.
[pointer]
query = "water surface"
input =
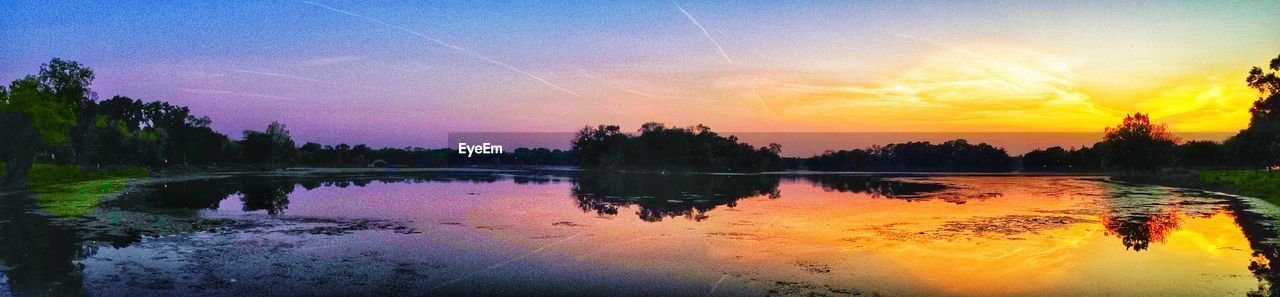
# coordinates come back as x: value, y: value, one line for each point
x: 548, y: 233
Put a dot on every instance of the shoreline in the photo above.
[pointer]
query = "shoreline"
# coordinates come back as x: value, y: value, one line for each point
x: 1185, y: 180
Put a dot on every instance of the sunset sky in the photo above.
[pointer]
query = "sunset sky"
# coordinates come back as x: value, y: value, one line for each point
x: 407, y: 73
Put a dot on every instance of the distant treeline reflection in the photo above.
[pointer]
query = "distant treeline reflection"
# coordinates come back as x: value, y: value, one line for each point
x: 272, y: 194
x: 655, y: 196
x: 659, y: 196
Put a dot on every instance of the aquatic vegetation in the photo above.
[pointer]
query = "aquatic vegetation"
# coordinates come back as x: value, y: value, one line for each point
x: 77, y: 198
x: 67, y: 191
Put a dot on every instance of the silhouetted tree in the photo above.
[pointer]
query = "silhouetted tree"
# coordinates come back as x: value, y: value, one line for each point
x: 38, y: 111
x: 658, y: 147
x: 1060, y: 159
x: 273, y: 146
x: 1051, y: 159
x: 1259, y: 144
x: 1200, y: 154
x: 1137, y: 145
x: 954, y: 155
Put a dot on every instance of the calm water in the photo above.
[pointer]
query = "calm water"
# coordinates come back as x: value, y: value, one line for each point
x: 520, y: 233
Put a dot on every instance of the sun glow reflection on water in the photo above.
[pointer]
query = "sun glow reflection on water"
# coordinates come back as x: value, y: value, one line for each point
x: 520, y: 234
x: 986, y: 236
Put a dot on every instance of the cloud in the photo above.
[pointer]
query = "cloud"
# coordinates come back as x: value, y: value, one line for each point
x: 756, y: 94
x: 295, y: 77
x: 981, y: 89
x: 1208, y: 104
x: 466, y: 51
x: 332, y: 60
x: 233, y: 93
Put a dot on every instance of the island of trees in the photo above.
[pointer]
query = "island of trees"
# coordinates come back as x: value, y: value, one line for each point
x: 658, y: 147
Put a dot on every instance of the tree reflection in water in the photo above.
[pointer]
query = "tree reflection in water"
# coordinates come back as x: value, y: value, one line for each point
x: 873, y: 185
x: 1139, y: 215
x: 1261, y: 232
x: 1139, y: 218
x: 40, y: 256
x: 261, y: 195
x: 1137, y: 232
x: 658, y: 196
x: 272, y: 194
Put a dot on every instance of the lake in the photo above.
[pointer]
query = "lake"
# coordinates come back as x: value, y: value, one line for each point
x: 503, y: 233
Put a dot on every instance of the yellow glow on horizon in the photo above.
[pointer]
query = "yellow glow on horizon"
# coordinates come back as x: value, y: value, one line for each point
x: 1005, y: 89
x: 1214, y: 103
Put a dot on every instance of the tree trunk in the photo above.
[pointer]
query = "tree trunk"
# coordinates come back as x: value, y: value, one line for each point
x: 20, y: 152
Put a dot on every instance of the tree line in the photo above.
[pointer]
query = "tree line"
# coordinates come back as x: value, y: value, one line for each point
x: 658, y: 147
x: 955, y: 155
x: 1135, y: 146
x: 55, y: 117
x: 1138, y: 146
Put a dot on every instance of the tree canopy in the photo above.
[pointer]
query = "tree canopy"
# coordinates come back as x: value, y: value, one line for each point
x: 50, y: 98
x: 1259, y: 144
x: 658, y: 147
x: 1138, y: 145
x: 1267, y: 107
x: 954, y: 155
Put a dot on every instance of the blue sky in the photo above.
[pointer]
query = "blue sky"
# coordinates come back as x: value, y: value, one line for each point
x: 378, y: 77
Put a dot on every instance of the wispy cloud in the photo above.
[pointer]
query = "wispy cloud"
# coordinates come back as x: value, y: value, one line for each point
x: 414, y: 67
x: 233, y: 93
x: 1213, y: 103
x: 756, y: 94
x: 719, y: 48
x: 290, y: 76
x: 332, y: 60
x: 460, y: 49
x: 990, y: 88
x: 614, y: 86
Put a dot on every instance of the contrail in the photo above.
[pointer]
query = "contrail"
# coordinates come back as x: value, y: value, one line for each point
x: 717, y: 285
x: 289, y: 76
x: 333, y: 60
x: 225, y: 92
x: 765, y: 106
x: 584, y: 73
x: 469, y: 52
x: 705, y: 33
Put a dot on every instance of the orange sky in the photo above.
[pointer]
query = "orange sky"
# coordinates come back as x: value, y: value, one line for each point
x: 968, y: 87
x: 397, y: 74
x: 1011, y: 89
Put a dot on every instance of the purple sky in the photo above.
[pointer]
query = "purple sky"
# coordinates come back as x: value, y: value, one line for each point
x: 408, y: 73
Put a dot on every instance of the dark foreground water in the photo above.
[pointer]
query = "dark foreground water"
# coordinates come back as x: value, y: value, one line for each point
x: 548, y: 233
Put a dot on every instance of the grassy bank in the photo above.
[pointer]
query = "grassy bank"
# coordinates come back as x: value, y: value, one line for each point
x: 43, y: 174
x: 1254, y: 183
x: 66, y: 190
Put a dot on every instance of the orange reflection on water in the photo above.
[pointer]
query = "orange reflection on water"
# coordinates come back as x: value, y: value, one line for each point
x: 986, y: 236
